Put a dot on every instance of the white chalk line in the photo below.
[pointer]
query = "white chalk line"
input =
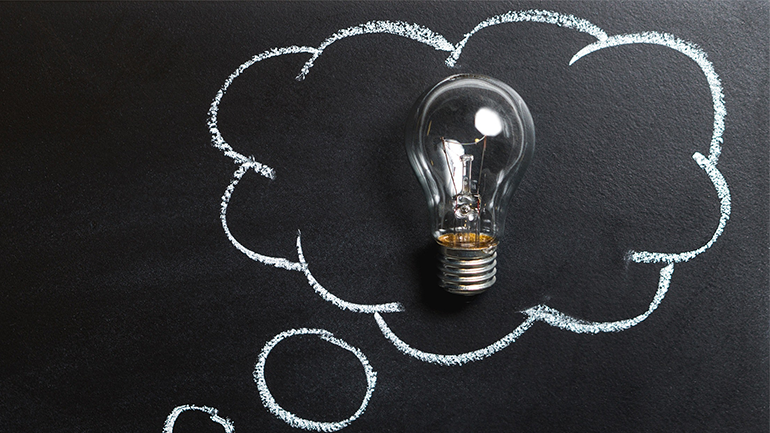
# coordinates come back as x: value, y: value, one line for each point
x: 693, y: 52
x: 391, y: 307
x: 293, y: 420
x: 246, y: 163
x: 533, y: 15
x: 412, y: 31
x: 448, y: 360
x: 301, y: 266
x: 723, y: 192
x: 168, y: 426
x: 558, y: 319
x: 715, y: 149
x: 216, y: 136
x: 542, y: 313
x: 278, y: 262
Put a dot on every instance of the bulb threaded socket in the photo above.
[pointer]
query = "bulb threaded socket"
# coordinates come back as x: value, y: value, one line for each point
x: 467, y: 271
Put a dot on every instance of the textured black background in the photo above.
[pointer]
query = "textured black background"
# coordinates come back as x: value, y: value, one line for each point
x: 122, y: 298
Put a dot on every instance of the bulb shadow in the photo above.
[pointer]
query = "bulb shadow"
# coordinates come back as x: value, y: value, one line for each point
x: 431, y: 296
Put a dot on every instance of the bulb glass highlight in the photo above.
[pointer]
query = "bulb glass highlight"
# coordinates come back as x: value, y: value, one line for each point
x: 469, y: 139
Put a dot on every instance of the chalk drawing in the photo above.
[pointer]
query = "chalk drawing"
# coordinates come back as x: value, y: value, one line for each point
x: 399, y: 28
x: 301, y: 266
x: 168, y: 427
x: 270, y: 261
x: 535, y: 16
x: 392, y: 307
x: 723, y: 192
x: 540, y: 313
x: 290, y: 418
x: 690, y: 50
x: 459, y: 359
x: 555, y: 318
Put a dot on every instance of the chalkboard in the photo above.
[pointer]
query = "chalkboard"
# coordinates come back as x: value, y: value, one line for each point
x: 209, y: 221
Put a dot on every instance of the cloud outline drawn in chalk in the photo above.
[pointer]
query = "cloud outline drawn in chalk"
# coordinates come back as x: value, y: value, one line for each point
x: 540, y: 313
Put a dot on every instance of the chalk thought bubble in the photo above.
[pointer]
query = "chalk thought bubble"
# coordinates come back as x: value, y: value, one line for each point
x: 539, y: 313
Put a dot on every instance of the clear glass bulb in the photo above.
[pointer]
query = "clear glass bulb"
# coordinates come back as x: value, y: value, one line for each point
x: 469, y: 139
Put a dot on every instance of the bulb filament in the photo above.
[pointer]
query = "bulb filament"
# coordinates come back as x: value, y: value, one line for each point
x: 467, y: 203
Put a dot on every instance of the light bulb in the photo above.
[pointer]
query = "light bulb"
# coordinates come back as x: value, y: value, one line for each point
x: 469, y: 139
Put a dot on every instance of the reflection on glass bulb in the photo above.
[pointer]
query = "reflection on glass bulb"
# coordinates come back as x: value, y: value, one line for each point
x: 469, y: 139
x: 488, y: 122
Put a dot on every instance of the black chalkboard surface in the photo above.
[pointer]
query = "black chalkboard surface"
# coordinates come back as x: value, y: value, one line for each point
x: 209, y: 222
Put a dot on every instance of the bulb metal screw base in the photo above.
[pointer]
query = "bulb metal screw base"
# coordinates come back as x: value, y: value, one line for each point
x: 467, y: 271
